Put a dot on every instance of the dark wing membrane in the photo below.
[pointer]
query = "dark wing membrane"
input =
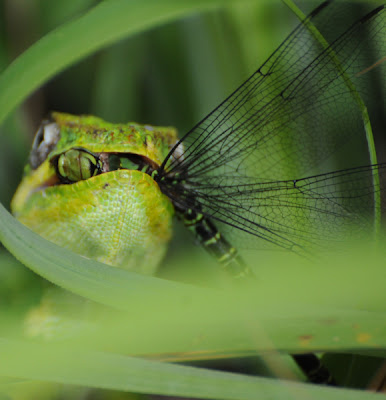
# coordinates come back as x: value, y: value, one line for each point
x: 240, y: 163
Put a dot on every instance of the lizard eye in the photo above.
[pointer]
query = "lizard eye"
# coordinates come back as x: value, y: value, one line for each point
x: 45, y: 141
x: 76, y: 165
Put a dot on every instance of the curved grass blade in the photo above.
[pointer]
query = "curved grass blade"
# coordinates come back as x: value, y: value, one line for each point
x: 106, y: 23
x: 78, y: 274
x: 109, y: 371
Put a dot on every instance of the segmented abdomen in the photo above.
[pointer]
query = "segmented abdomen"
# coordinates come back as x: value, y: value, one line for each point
x: 216, y: 244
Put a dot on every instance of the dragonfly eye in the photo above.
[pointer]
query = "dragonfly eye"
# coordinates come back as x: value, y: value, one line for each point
x: 76, y: 165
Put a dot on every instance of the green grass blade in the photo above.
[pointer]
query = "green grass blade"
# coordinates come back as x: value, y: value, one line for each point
x: 109, y: 371
x: 85, y: 277
x: 103, y: 25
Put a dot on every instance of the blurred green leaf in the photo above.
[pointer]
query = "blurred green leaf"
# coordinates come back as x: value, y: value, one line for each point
x: 101, y: 370
x: 106, y: 23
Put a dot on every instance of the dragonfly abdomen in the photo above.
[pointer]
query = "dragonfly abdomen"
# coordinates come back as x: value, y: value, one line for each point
x: 216, y: 244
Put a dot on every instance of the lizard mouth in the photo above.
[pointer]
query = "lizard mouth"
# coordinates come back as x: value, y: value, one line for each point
x: 117, y: 161
x: 106, y: 162
x: 86, y: 165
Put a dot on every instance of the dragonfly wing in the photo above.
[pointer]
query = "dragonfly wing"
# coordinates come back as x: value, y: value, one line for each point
x: 293, y: 112
x: 298, y: 215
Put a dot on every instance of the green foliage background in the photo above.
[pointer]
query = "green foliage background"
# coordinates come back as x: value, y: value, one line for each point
x: 165, y: 63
